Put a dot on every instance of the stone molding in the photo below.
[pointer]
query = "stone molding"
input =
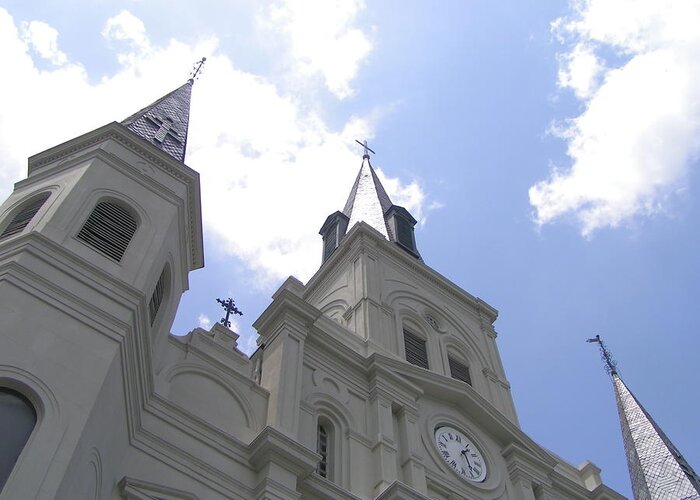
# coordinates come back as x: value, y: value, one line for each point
x: 272, y: 445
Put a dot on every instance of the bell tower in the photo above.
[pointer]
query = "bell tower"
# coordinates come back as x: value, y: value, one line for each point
x: 95, y: 249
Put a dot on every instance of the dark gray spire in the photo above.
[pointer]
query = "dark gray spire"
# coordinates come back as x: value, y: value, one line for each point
x: 657, y: 469
x: 164, y: 123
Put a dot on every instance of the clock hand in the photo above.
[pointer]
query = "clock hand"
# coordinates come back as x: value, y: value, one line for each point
x: 464, y: 452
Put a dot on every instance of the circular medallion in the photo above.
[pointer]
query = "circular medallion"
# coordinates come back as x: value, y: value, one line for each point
x: 432, y: 322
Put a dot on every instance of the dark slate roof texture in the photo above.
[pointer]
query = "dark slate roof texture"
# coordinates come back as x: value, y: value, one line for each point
x: 170, y: 115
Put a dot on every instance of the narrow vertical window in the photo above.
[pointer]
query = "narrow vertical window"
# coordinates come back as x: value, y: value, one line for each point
x: 157, y: 297
x: 17, y: 421
x: 330, y: 242
x: 459, y: 370
x: 404, y: 232
x: 24, y: 216
x: 416, y: 350
x: 322, y: 447
x: 109, y: 229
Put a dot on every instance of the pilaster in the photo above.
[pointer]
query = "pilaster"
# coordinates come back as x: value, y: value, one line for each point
x: 384, y: 447
x: 410, y: 457
x: 283, y: 327
x: 527, y: 472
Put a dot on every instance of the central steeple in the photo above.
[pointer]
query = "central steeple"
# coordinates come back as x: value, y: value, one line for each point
x: 369, y: 202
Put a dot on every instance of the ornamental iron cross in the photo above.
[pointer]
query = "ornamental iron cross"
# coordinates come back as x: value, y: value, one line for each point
x: 197, y: 69
x: 367, y: 149
x: 610, y: 364
x: 230, y: 307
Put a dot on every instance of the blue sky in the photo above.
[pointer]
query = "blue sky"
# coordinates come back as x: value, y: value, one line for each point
x: 548, y: 149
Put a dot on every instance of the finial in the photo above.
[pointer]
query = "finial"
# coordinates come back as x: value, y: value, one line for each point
x: 610, y: 364
x: 197, y: 69
x: 367, y: 149
x: 230, y: 307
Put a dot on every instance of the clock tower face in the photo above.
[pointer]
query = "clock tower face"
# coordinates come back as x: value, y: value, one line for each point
x: 461, y: 454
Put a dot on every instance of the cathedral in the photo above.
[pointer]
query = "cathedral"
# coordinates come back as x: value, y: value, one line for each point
x: 377, y: 379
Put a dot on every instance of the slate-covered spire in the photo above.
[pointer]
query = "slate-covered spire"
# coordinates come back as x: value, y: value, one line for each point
x: 369, y: 202
x: 657, y: 469
x: 164, y: 123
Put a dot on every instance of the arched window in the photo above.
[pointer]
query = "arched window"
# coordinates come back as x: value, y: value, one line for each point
x: 17, y: 420
x: 459, y: 370
x: 416, y: 349
x: 324, y: 447
x: 109, y: 229
x: 158, y: 295
x: 24, y: 216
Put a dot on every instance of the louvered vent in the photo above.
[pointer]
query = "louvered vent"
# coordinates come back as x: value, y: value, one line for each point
x: 157, y: 297
x: 24, y: 216
x: 459, y: 371
x: 322, y: 449
x: 404, y: 236
x: 416, y: 352
x: 330, y: 242
x: 109, y: 229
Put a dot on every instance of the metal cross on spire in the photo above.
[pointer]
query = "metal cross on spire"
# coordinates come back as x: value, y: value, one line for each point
x: 367, y: 149
x: 230, y: 307
x: 197, y: 69
x: 610, y: 364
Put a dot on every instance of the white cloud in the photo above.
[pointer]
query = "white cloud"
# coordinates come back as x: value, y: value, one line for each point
x: 271, y: 169
x: 580, y: 71
x: 204, y: 321
x: 637, y: 136
x: 44, y: 40
x: 128, y: 28
x: 323, y: 39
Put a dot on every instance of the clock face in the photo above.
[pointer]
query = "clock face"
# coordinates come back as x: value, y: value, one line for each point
x: 460, y: 453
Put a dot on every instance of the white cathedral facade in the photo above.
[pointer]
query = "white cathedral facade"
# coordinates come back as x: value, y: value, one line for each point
x: 377, y: 379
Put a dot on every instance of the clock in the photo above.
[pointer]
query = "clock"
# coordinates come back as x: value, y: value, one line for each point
x: 460, y: 454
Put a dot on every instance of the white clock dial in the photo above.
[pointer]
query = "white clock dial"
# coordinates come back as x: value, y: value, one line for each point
x: 460, y: 453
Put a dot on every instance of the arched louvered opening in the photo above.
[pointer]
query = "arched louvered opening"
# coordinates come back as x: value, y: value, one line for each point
x: 17, y: 421
x: 24, y: 216
x: 459, y: 370
x: 158, y: 295
x: 416, y: 349
x: 109, y: 229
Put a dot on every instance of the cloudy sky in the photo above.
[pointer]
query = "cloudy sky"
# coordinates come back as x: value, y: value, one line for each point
x: 548, y: 149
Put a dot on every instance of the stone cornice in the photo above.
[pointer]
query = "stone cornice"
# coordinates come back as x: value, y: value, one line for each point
x: 323, y: 488
x: 286, y: 308
x: 80, y: 271
x: 273, y: 446
x: 361, y: 235
x: 136, y: 489
x: 603, y: 492
x: 522, y: 464
x: 399, y: 491
x: 386, y: 382
x: 464, y: 396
